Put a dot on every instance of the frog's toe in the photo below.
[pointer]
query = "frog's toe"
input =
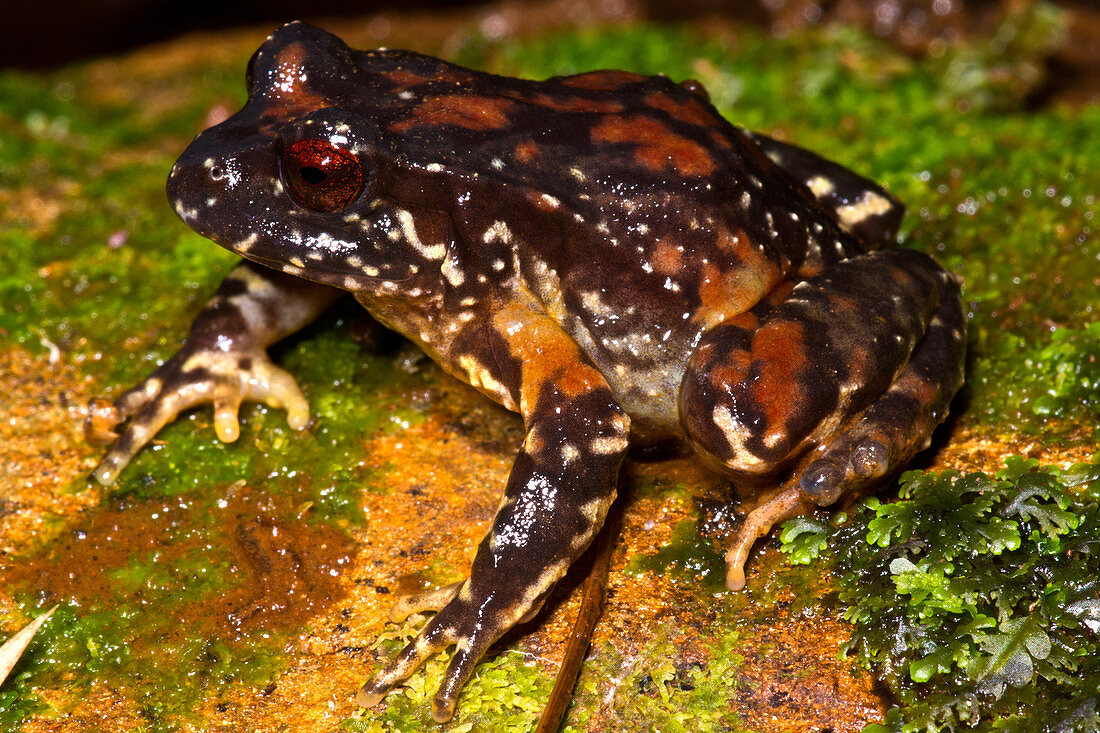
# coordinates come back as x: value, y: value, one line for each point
x: 758, y: 523
x: 226, y: 424
x: 141, y: 429
x: 136, y: 398
x: 275, y: 387
x: 433, y: 600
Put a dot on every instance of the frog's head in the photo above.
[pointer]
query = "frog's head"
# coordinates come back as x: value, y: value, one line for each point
x: 293, y: 179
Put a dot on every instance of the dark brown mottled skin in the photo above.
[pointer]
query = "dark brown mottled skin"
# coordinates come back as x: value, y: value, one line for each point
x: 602, y: 253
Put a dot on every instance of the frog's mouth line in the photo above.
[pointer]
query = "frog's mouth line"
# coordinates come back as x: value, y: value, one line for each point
x: 318, y: 273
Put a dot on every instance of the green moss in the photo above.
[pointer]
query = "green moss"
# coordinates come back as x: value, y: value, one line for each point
x: 658, y: 688
x: 1022, y: 384
x: 506, y: 694
x: 687, y: 556
x: 975, y: 597
x: 170, y: 679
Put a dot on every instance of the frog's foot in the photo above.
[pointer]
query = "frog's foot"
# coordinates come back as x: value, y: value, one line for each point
x: 470, y: 624
x: 193, y: 377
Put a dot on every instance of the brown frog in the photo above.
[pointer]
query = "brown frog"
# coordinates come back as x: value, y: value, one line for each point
x: 603, y: 253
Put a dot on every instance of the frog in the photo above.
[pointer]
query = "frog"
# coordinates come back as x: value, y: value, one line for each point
x: 603, y: 253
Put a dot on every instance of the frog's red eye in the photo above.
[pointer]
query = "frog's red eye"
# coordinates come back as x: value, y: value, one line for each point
x: 322, y: 176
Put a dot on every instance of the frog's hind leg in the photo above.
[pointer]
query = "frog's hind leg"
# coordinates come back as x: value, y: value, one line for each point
x: 862, y: 207
x: 562, y: 483
x: 836, y: 387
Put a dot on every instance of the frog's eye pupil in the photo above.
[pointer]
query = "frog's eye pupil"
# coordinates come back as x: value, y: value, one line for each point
x: 322, y: 176
x: 312, y: 175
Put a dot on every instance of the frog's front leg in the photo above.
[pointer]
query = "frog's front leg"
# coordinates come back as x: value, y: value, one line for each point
x: 560, y: 488
x: 832, y: 389
x: 224, y: 361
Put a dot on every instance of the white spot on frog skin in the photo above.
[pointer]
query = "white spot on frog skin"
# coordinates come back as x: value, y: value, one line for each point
x: 550, y: 201
x: 408, y: 228
x: 869, y: 204
x: 452, y: 271
x: 498, y: 265
x: 434, y: 168
x: 497, y: 164
x: 746, y: 200
x: 577, y: 173
x: 609, y: 444
x: 296, y: 261
x: 497, y: 231
x: 820, y: 186
x: 246, y: 244
x: 569, y: 453
x: 188, y: 215
x: 406, y: 94
x: 736, y: 433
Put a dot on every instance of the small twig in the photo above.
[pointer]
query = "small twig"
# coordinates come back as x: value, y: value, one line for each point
x: 594, y: 593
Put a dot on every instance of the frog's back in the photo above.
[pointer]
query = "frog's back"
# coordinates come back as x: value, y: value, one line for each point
x: 630, y: 150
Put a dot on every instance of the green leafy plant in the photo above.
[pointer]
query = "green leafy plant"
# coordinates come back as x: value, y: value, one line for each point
x: 974, y: 598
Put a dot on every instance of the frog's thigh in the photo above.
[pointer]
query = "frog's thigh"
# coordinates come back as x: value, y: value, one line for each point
x: 763, y: 387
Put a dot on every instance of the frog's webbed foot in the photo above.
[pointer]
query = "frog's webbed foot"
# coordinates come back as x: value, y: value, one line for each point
x: 841, y: 383
x: 457, y: 623
x: 223, y: 361
x: 196, y: 376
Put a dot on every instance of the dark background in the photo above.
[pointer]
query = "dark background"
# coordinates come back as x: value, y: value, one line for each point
x: 37, y: 35
x: 42, y: 35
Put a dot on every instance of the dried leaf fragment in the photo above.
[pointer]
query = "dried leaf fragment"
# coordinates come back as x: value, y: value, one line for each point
x: 13, y: 647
